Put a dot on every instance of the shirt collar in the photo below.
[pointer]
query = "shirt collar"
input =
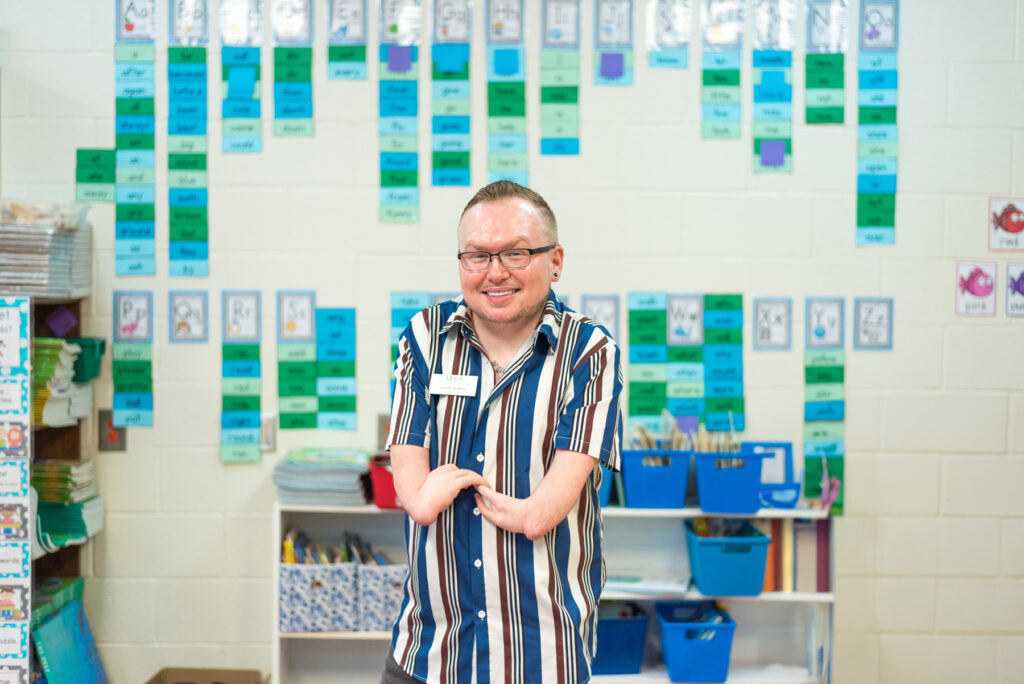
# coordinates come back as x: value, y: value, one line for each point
x: 549, y: 327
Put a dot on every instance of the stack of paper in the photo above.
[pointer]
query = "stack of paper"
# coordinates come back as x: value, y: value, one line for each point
x: 47, y: 249
x: 56, y: 400
x: 323, y: 477
x: 64, y: 481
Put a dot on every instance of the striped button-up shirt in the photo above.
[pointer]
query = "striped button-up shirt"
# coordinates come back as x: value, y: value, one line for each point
x: 483, y: 604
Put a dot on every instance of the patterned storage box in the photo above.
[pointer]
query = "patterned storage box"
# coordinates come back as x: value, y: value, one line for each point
x: 381, y: 590
x: 319, y: 598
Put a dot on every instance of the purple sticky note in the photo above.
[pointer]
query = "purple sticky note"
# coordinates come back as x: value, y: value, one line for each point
x: 611, y: 64
x: 399, y: 57
x: 61, y: 321
x: 773, y: 152
x: 687, y: 424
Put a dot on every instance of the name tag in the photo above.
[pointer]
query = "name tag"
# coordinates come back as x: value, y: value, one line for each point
x: 461, y: 385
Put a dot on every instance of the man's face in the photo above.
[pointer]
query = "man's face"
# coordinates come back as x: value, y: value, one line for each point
x: 500, y: 295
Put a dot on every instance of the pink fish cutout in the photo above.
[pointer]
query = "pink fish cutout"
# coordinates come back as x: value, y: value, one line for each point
x: 978, y: 283
x: 129, y: 327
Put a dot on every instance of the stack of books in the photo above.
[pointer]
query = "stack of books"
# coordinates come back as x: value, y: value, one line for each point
x: 58, y: 481
x: 52, y: 594
x: 323, y: 477
x: 70, y: 509
x: 47, y: 249
x: 56, y: 400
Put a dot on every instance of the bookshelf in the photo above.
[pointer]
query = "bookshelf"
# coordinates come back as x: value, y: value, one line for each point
x: 56, y: 443
x: 795, y: 625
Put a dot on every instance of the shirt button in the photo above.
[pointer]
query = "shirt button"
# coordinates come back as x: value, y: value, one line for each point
x: 481, y: 615
x: 476, y: 511
x: 478, y: 562
x: 480, y: 458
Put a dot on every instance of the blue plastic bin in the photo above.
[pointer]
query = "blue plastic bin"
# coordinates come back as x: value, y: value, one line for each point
x: 620, y: 645
x: 694, y: 651
x: 728, y: 566
x: 604, y: 493
x: 655, y: 478
x: 729, y: 482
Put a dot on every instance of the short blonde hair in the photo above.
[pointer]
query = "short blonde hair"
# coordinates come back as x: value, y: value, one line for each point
x: 503, y: 189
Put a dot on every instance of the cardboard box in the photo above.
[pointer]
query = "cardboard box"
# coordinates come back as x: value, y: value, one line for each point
x: 198, y: 675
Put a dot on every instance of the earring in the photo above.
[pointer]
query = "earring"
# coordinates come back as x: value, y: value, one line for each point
x: 556, y: 274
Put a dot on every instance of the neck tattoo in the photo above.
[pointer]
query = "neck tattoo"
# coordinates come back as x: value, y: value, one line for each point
x: 498, y: 368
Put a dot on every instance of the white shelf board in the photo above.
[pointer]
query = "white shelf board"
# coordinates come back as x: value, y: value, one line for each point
x: 771, y: 674
x: 771, y: 596
x: 764, y: 513
x: 367, y: 509
x: 337, y: 636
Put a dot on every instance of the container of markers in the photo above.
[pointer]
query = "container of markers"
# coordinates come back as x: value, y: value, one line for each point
x: 318, y: 597
x: 728, y: 481
x: 696, y: 641
x: 655, y: 478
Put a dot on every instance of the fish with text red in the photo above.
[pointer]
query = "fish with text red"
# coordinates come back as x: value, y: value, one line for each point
x: 1011, y: 219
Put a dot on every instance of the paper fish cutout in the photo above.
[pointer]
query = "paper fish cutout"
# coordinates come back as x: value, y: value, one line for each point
x: 978, y: 283
x: 1011, y: 219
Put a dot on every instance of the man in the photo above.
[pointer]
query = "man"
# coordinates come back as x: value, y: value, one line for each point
x: 505, y: 403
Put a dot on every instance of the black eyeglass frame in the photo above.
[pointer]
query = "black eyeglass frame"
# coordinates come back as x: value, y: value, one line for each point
x: 531, y: 250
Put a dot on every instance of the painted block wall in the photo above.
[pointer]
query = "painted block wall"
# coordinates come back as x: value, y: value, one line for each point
x: 930, y: 553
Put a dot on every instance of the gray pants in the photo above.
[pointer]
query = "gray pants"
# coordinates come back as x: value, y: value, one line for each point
x: 393, y: 674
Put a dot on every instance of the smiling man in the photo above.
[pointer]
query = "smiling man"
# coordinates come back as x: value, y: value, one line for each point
x: 505, y: 403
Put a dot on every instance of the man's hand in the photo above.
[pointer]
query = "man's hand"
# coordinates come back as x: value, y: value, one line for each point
x: 439, y: 489
x: 547, y: 505
x: 506, y: 512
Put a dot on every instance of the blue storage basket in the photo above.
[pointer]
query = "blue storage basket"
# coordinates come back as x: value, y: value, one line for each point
x: 620, y: 645
x: 604, y: 493
x: 694, y: 651
x: 729, y: 482
x: 649, y: 484
x: 728, y: 566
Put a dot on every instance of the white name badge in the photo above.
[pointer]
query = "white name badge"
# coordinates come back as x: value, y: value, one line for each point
x: 461, y: 385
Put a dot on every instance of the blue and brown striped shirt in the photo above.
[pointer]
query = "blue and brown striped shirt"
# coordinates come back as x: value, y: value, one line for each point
x: 483, y: 604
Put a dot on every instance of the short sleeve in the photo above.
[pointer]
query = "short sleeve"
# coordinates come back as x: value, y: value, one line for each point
x: 410, y: 406
x: 591, y: 422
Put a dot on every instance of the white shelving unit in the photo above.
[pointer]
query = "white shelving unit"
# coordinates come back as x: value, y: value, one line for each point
x: 794, y: 628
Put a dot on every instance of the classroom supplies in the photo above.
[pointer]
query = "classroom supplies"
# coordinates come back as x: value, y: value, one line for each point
x: 779, y: 488
x: 727, y: 557
x: 56, y: 400
x: 729, y: 482
x: 325, y: 477
x: 47, y: 248
x: 64, y: 481
x: 696, y: 641
x: 66, y: 649
x: 383, y: 481
x: 621, y: 637
x: 655, y: 478
x: 345, y: 586
x: 52, y: 594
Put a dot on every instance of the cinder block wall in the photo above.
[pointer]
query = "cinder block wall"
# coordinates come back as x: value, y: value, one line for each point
x: 931, y: 549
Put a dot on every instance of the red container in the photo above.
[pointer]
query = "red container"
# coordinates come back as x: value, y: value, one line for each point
x: 383, y: 482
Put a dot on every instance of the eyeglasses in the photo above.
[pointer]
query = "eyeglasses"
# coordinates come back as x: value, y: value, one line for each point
x: 518, y: 257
